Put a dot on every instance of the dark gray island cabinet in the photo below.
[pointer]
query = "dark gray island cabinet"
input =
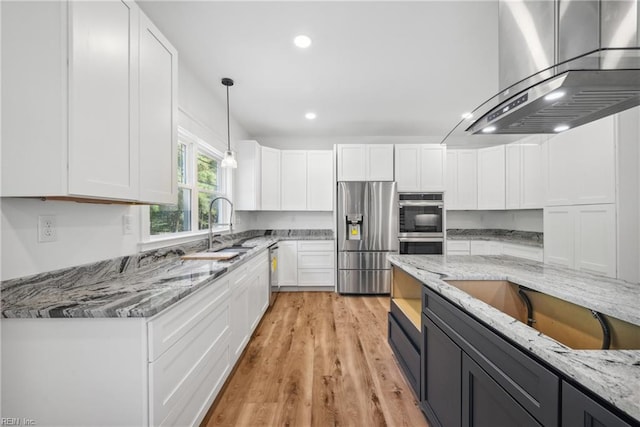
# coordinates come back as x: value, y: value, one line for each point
x: 470, y: 376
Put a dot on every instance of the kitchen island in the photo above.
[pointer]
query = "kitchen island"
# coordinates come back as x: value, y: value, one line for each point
x: 612, y: 375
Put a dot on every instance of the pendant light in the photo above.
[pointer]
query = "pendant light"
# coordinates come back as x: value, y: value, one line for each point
x: 229, y: 160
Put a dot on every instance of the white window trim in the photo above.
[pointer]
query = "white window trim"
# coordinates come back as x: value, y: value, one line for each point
x: 151, y: 242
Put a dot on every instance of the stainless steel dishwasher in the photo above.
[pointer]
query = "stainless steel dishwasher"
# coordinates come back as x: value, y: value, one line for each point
x: 274, y: 286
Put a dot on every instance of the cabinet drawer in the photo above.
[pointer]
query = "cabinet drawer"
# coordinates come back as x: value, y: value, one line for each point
x: 408, y: 356
x: 316, y: 260
x: 528, y: 382
x: 315, y: 245
x: 316, y: 277
x: 166, y: 328
x: 192, y: 369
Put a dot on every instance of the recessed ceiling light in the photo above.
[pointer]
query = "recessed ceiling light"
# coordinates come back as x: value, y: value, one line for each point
x: 302, y: 41
x: 554, y: 95
x: 310, y: 116
x: 489, y: 129
x: 561, y: 128
x: 467, y: 115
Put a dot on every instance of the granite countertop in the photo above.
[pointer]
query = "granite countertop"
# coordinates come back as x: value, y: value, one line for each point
x: 137, y: 286
x: 527, y: 238
x: 612, y: 374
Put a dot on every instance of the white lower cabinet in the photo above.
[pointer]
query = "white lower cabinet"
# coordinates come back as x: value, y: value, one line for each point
x: 306, y: 263
x: 458, y: 247
x: 581, y: 237
x: 485, y: 247
x: 162, y: 371
x: 288, y: 263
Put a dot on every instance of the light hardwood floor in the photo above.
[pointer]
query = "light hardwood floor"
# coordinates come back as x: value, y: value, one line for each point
x: 318, y: 359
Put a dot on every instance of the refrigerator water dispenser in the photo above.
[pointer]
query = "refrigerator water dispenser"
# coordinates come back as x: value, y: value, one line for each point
x: 354, y: 227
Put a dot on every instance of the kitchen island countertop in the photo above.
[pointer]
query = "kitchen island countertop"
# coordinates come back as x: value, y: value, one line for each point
x: 612, y: 374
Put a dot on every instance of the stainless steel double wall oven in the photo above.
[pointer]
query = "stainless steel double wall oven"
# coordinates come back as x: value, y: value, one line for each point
x: 421, y: 223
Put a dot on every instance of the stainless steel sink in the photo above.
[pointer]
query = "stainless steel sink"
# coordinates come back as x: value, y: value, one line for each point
x: 574, y: 326
x: 233, y: 248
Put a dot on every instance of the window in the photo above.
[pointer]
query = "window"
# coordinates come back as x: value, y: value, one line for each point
x: 200, y: 180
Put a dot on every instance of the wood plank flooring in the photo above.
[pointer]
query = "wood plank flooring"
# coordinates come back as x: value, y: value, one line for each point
x: 318, y: 359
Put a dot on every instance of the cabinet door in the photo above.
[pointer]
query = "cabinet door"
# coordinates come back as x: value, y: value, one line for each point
x: 531, y: 178
x: 433, y: 161
x: 485, y: 403
x: 293, y: 180
x: 513, y: 171
x: 467, y: 179
x: 407, y: 166
x: 579, y: 410
x: 270, y: 197
x: 451, y: 190
x: 379, y: 162
x: 103, y: 88
x: 441, y: 361
x: 288, y: 263
x: 158, y: 115
x: 351, y: 162
x: 239, y: 316
x: 559, y: 235
x: 491, y: 178
x: 320, y: 182
x: 248, y: 176
x: 595, y: 239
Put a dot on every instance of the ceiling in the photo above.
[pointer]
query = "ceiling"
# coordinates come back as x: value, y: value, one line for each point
x: 374, y: 68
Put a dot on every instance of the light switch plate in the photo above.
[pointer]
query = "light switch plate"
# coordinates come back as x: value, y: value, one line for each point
x: 127, y: 224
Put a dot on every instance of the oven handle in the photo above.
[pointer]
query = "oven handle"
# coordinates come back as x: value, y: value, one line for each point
x: 437, y: 203
x: 420, y: 239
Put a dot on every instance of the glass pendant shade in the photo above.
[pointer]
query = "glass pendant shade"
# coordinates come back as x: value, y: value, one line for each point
x: 229, y: 160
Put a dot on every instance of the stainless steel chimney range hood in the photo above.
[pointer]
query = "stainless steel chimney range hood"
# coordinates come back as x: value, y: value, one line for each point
x: 571, y: 92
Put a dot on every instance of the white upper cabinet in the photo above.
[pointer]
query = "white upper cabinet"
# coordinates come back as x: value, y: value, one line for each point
x: 524, y: 177
x: 580, y: 165
x: 81, y: 106
x: 158, y: 115
x: 270, y: 189
x: 379, y: 162
x: 320, y: 181
x: 365, y: 162
x: 351, y: 162
x: 420, y: 167
x: 294, y: 180
x: 248, y: 176
x: 103, y: 81
x: 491, y: 178
x: 462, y: 180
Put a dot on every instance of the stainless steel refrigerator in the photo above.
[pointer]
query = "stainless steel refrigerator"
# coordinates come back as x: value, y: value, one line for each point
x: 367, y: 230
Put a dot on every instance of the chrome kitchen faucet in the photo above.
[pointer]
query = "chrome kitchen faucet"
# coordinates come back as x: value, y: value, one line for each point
x: 230, y: 224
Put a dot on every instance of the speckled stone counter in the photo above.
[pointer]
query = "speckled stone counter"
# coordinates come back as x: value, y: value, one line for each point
x: 612, y: 374
x: 140, y: 285
x: 527, y: 238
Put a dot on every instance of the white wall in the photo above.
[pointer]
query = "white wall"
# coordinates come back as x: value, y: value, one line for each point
x: 522, y: 220
x: 93, y: 232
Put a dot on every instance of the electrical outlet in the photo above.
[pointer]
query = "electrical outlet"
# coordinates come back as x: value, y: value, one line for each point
x: 47, y: 228
x: 127, y: 224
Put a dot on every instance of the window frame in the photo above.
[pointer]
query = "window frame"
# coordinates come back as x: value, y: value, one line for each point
x: 194, y: 146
